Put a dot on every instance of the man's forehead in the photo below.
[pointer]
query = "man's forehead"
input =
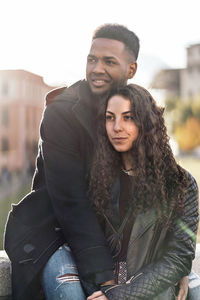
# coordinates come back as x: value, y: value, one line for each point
x: 107, y: 47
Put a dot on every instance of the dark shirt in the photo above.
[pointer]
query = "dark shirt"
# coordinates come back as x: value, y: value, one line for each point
x: 124, y: 204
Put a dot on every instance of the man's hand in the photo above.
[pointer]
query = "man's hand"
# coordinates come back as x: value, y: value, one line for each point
x: 110, y: 282
x: 183, y: 289
x: 97, y: 296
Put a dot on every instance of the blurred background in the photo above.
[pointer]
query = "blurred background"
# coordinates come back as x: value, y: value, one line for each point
x: 44, y: 44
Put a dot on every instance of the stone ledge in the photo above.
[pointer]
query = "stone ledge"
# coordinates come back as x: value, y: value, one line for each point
x: 5, y: 280
x: 196, y: 262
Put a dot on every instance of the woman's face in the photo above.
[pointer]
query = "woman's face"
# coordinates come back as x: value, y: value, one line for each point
x: 120, y: 126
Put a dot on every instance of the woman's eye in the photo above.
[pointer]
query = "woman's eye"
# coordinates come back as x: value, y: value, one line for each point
x: 108, y: 117
x: 128, y: 117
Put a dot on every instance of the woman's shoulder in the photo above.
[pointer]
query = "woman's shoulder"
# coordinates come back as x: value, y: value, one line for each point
x: 192, y: 183
x: 191, y: 191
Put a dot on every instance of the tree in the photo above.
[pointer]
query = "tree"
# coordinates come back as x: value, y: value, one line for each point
x: 188, y: 134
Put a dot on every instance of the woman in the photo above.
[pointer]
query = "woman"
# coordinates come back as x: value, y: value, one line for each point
x: 139, y: 193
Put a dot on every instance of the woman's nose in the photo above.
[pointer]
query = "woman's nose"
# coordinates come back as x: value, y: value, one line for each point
x: 117, y: 125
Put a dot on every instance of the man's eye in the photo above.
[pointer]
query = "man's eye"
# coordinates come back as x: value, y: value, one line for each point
x: 110, y: 62
x: 91, y: 60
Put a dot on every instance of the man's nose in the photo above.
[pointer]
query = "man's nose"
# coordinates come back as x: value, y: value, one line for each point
x: 99, y: 67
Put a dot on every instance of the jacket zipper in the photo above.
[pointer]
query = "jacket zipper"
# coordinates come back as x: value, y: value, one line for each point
x: 134, y: 277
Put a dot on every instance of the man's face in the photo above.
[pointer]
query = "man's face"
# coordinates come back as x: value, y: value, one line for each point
x: 108, y: 65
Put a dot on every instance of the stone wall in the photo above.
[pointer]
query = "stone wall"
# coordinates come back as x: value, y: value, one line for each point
x: 5, y: 281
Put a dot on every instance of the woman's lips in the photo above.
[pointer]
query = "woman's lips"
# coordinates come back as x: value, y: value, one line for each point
x: 119, y: 139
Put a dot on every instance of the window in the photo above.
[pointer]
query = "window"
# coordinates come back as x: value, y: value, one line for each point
x: 4, y: 89
x: 5, y: 117
x: 4, y: 144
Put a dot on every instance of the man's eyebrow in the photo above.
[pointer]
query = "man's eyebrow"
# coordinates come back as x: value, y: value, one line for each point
x: 109, y: 57
x: 105, y: 57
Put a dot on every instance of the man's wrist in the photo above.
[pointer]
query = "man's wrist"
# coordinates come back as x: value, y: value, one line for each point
x: 109, y: 282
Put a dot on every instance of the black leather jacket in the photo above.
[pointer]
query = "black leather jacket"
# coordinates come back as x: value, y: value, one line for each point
x: 158, y: 258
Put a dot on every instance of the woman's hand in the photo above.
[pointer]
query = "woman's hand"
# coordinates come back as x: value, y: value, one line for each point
x: 97, y: 296
x: 183, y: 289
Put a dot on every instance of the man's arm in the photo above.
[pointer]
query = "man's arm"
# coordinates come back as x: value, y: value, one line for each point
x: 65, y: 175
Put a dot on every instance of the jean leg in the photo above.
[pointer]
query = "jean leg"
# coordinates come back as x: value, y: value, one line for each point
x: 60, y: 277
x: 194, y: 286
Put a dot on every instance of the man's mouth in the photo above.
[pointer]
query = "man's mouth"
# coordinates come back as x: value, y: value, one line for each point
x: 99, y: 82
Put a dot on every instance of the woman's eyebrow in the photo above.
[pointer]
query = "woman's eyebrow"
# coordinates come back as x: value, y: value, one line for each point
x: 109, y: 112
x: 126, y: 112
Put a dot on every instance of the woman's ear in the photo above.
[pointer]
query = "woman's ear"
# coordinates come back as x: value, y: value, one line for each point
x: 132, y: 69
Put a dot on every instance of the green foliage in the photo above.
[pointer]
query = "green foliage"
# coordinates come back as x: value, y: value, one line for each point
x: 183, y: 109
x: 171, y: 103
x: 188, y: 134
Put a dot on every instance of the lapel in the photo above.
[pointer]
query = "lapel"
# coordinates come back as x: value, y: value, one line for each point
x: 142, y: 223
x: 82, y: 110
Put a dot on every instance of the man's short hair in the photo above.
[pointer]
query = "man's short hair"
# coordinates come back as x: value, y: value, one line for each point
x: 119, y: 33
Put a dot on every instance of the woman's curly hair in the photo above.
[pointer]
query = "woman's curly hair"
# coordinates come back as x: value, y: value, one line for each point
x: 158, y: 180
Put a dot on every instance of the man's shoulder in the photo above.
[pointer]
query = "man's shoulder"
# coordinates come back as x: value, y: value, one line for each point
x: 61, y: 103
x: 65, y: 95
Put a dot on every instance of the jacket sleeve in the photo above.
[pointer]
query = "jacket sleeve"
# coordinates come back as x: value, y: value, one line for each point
x: 65, y: 175
x: 175, y: 262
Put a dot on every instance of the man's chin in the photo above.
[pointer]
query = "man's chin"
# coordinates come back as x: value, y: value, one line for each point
x: 99, y: 91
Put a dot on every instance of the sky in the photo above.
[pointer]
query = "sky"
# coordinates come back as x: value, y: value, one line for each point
x: 52, y: 37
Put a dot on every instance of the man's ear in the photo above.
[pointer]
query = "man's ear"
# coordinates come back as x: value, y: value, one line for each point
x: 132, y: 69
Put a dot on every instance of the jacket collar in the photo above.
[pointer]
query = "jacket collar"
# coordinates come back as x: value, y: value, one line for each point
x: 142, y: 223
x: 84, y: 109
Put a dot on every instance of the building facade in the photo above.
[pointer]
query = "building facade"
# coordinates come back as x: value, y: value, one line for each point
x: 21, y: 106
x: 181, y: 83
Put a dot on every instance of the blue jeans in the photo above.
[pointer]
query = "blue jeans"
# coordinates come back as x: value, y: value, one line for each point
x: 194, y: 286
x: 60, y: 278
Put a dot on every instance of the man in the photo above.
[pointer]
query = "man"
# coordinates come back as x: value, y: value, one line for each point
x: 57, y: 211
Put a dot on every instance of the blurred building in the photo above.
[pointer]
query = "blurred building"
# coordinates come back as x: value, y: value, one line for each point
x: 181, y: 83
x: 21, y: 106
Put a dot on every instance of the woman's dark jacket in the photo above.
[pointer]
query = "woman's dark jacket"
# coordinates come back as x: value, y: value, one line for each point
x: 157, y: 257
x: 57, y: 210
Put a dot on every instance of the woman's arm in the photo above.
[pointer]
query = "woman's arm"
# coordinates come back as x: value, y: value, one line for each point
x: 175, y: 262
